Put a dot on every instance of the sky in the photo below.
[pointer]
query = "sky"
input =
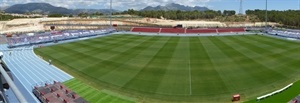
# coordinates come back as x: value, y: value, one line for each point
x: 139, y: 4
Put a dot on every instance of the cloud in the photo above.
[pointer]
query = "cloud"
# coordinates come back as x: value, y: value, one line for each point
x: 104, y: 4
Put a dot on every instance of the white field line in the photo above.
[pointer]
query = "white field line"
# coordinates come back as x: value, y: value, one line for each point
x: 70, y: 77
x: 43, y: 69
x: 10, y: 64
x: 190, y: 74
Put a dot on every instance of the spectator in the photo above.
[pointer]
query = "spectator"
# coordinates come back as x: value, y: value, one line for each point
x: 49, y: 61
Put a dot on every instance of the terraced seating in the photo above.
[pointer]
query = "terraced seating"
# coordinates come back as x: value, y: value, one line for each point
x: 39, y: 38
x: 145, y: 29
x: 29, y: 70
x: 201, y: 31
x: 183, y: 30
x: 172, y: 30
x: 286, y: 33
x: 223, y: 30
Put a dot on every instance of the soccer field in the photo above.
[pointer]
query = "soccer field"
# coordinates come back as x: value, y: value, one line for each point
x: 189, y: 69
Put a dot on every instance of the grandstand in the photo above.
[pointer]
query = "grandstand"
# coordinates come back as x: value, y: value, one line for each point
x: 201, y: 31
x: 46, y: 37
x: 185, y: 30
x: 285, y: 33
x: 146, y: 29
x: 40, y: 38
x: 173, y: 30
x: 55, y: 36
x: 29, y: 71
x: 295, y: 100
x: 235, y: 30
x: 56, y: 93
x: 16, y: 44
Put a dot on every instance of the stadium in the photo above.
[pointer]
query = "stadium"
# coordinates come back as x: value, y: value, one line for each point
x: 128, y: 60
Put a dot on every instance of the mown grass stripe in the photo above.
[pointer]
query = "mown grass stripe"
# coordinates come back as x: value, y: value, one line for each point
x: 260, y: 67
x: 268, y: 72
x: 265, y: 43
x: 106, y: 65
x: 77, y: 86
x: 127, y: 73
x: 282, y: 97
x: 73, y: 53
x: 158, y: 68
x: 274, y: 41
x: 273, y: 58
x: 237, y: 71
x: 83, y: 90
x: 121, y: 70
x: 98, y: 97
x: 252, y: 44
x: 201, y: 67
x: 217, y: 56
x: 150, y: 74
x: 177, y: 66
x: 71, y: 81
x: 91, y: 94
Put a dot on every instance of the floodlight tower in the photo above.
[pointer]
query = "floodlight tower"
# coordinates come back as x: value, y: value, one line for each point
x: 110, y: 16
x: 241, y: 7
x: 266, y: 25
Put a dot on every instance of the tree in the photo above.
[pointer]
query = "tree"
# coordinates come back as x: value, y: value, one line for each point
x: 56, y: 15
x: 289, y: 18
x: 228, y: 12
x: 97, y: 14
x: 83, y: 14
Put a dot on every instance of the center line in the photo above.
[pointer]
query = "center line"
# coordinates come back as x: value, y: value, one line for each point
x: 190, y: 77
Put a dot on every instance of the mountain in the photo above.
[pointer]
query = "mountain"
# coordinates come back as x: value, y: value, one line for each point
x: 104, y: 11
x: 38, y: 8
x: 174, y: 6
x: 3, y: 7
x: 46, y: 8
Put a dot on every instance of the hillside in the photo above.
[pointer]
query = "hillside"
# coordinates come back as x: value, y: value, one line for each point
x: 46, y: 8
x: 3, y: 7
x: 174, y: 6
x: 37, y: 8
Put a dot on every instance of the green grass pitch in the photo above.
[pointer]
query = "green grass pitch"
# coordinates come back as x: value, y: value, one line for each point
x: 94, y: 95
x: 282, y: 97
x: 182, y: 69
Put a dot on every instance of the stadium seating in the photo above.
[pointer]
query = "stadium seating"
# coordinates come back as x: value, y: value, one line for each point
x: 183, y: 30
x: 46, y: 37
x: 23, y: 40
x: 172, y: 30
x: 286, y: 33
x: 145, y: 29
x: 201, y: 31
x: 224, y: 30
x: 56, y: 93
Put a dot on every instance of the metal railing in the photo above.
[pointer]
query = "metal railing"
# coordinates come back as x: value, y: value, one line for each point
x: 12, y: 85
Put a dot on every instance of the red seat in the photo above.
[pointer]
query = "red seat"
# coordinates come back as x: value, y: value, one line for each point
x: 183, y: 30
x: 172, y: 30
x: 201, y: 31
x: 223, y: 30
x: 145, y: 29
